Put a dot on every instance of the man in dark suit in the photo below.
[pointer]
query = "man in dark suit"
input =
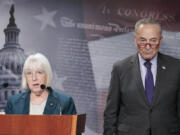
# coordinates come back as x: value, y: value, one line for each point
x: 144, y: 92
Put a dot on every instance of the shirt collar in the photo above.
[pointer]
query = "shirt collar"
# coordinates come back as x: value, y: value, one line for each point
x: 153, y: 61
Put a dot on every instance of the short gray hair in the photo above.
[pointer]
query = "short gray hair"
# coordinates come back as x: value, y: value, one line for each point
x: 148, y: 21
x: 37, y: 60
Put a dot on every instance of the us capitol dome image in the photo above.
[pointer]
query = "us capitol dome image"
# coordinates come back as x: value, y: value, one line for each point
x: 12, y: 58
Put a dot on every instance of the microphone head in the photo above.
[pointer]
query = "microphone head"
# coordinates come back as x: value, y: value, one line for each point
x: 5, y: 85
x: 43, y: 86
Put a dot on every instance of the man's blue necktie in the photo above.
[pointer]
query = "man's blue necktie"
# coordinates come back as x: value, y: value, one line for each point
x: 149, y: 83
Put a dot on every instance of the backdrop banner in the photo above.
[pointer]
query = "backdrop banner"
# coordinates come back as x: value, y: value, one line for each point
x: 82, y: 39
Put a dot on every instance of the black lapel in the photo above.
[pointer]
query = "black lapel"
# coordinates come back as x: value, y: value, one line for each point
x: 138, y: 79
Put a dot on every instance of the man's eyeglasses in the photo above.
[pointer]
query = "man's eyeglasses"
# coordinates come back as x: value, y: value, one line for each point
x: 152, y: 42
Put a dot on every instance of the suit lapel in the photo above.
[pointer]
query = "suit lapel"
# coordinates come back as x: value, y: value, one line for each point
x: 136, y: 70
x: 161, y: 70
x: 26, y: 98
x: 51, y: 105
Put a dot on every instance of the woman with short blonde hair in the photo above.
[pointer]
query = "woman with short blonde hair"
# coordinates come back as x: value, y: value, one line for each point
x: 39, y: 97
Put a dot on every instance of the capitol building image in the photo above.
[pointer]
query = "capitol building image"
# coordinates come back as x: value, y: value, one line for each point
x: 12, y: 58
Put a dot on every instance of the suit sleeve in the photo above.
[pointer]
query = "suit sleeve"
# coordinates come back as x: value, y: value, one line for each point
x: 112, y: 104
x: 178, y: 99
x: 178, y: 104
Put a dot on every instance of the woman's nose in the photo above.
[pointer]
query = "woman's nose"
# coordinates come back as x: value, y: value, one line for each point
x: 34, y: 76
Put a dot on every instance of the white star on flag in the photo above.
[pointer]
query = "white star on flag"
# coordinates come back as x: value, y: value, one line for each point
x: 46, y: 18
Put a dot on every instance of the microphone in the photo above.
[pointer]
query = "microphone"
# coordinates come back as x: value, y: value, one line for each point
x: 4, y: 85
x: 43, y: 87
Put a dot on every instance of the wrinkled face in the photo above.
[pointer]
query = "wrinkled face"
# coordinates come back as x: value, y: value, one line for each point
x: 148, y: 40
x: 35, y: 77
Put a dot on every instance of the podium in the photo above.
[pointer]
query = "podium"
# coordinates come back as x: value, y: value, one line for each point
x: 42, y: 124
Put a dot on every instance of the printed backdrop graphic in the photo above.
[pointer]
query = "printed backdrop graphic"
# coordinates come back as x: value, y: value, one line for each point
x: 83, y: 38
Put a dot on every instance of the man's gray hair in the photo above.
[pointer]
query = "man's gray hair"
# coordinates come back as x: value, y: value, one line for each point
x: 37, y: 61
x: 148, y: 21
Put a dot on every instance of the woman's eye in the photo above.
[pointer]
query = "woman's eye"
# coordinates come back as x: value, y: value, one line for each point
x: 40, y: 72
x: 28, y: 73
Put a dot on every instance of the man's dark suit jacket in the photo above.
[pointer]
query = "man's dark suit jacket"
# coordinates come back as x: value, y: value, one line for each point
x: 19, y: 104
x: 128, y: 112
